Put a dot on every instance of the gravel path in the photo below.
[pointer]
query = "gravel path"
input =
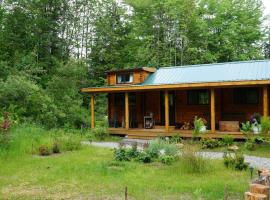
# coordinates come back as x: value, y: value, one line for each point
x: 258, y: 162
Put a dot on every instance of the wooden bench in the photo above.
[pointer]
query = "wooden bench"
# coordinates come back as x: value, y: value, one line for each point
x: 230, y: 126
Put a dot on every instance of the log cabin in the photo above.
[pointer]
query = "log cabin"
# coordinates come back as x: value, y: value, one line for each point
x: 149, y: 102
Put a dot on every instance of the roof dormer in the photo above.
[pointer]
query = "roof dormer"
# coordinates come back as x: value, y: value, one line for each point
x: 129, y: 76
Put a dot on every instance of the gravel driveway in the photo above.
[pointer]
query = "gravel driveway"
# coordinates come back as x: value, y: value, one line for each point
x: 258, y: 162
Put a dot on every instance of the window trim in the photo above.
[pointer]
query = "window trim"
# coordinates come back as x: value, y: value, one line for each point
x: 245, y: 93
x: 198, y: 91
x: 131, y: 74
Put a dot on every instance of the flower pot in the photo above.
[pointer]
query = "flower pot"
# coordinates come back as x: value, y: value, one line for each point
x: 203, y: 129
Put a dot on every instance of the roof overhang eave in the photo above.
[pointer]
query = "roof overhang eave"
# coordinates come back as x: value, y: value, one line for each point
x: 173, y: 86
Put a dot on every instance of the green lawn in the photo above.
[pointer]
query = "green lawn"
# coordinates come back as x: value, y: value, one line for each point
x: 87, y: 173
x: 92, y: 173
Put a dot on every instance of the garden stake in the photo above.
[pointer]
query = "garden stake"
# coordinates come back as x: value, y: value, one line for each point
x: 226, y: 192
x: 126, y: 193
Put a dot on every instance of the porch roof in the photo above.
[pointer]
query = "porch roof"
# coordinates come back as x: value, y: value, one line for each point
x: 205, y: 75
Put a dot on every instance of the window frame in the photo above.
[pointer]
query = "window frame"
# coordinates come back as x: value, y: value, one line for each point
x: 197, y: 96
x: 241, y: 94
x: 131, y: 80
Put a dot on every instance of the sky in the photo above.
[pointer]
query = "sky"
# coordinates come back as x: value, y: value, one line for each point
x: 267, y: 6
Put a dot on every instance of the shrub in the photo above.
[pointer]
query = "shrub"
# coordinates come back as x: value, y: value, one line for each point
x: 100, y: 133
x: 235, y: 161
x: 157, y: 147
x: 120, y: 154
x: 166, y: 159
x: 208, y: 143
x: 259, y: 140
x: 133, y: 152
x: 144, y: 157
x: 71, y: 143
x: 246, y: 128
x: 227, y: 140
x: 198, y: 125
x: 56, y: 147
x: 193, y: 162
x: 250, y: 145
x: 265, y: 125
x: 176, y: 139
x: 44, y: 150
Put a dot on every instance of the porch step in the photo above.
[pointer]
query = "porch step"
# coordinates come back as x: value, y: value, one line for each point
x: 141, y: 137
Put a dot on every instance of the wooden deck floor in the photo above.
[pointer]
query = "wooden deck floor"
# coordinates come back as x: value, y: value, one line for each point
x: 152, y: 133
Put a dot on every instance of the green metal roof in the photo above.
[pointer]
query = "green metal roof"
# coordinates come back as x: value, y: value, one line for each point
x: 206, y: 73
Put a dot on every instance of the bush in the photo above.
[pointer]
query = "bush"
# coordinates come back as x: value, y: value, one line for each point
x: 250, y: 145
x: 120, y: 154
x: 100, y: 133
x: 158, y: 146
x: 208, y: 143
x: 71, y: 143
x: 44, y: 150
x: 198, y: 125
x: 246, y: 128
x: 235, y: 161
x: 265, y: 125
x: 133, y: 152
x: 56, y: 147
x: 144, y: 157
x: 175, y: 139
x: 166, y: 159
x: 193, y: 162
x: 227, y: 140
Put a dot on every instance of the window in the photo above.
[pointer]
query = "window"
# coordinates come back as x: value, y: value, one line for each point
x: 246, y: 96
x: 119, y: 99
x: 198, y: 97
x: 125, y: 78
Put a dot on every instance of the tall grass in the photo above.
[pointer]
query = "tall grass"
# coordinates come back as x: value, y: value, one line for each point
x: 193, y: 162
x: 26, y: 139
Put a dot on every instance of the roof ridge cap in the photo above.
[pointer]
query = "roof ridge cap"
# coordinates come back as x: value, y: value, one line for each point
x: 211, y: 64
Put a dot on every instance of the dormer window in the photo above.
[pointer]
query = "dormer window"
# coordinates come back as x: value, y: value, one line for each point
x: 125, y: 78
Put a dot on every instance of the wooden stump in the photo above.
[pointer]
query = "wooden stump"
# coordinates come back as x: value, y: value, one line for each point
x: 260, y: 189
x: 262, y: 170
x: 265, y: 176
x: 254, y: 196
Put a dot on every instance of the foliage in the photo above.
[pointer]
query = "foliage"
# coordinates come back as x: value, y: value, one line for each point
x: 120, y: 154
x: 175, y: 139
x: 56, y: 147
x: 71, y: 143
x: 198, y: 125
x: 158, y: 146
x: 133, y: 152
x: 44, y: 150
x: 209, y: 143
x: 227, y: 140
x: 194, y: 162
x: 100, y: 133
x: 167, y: 159
x: 235, y: 161
x: 246, y: 128
x: 265, y: 125
x: 250, y: 144
x: 144, y: 157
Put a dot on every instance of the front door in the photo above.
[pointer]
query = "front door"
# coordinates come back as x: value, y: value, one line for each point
x: 171, y: 108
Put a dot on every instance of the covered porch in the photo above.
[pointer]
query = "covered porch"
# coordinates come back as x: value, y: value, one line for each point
x: 171, y: 109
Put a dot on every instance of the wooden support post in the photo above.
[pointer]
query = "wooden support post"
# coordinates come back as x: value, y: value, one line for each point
x: 265, y: 101
x: 92, y: 104
x: 126, y: 111
x: 166, y: 102
x: 213, y: 112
